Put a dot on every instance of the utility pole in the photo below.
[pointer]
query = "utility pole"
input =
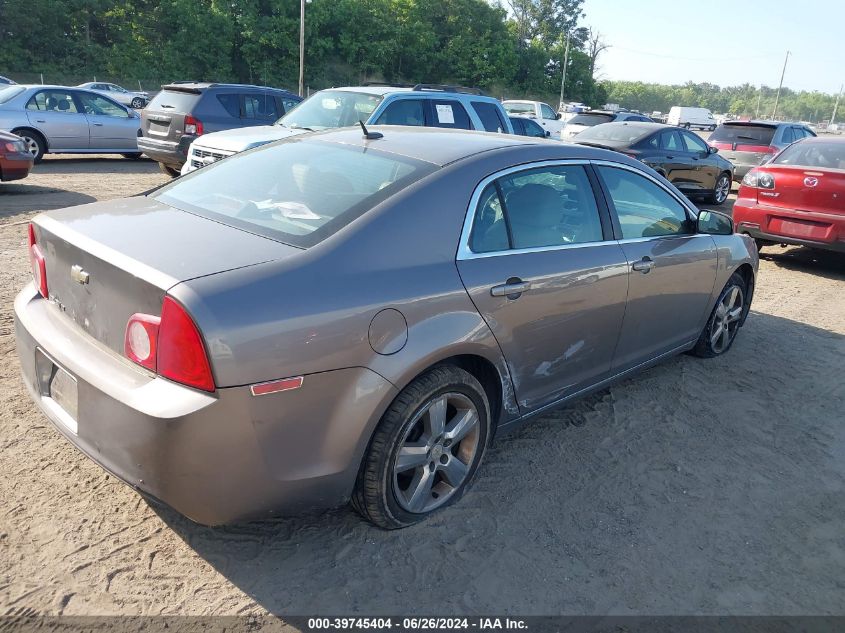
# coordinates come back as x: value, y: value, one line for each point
x: 759, y: 96
x: 563, y: 73
x: 780, y: 85
x: 836, y: 106
x: 301, y: 46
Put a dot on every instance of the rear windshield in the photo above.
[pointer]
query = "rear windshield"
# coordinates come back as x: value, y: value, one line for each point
x: 743, y: 134
x: 298, y: 191
x: 174, y: 101
x: 819, y: 154
x: 519, y: 108
x: 590, y: 119
x: 628, y: 134
x: 330, y: 109
x: 10, y: 92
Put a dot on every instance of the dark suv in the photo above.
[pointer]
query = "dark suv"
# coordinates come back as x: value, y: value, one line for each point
x: 182, y: 111
x: 748, y: 144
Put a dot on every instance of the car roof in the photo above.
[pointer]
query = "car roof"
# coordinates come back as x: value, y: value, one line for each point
x: 645, y: 126
x: 760, y: 123
x: 191, y: 86
x: 423, y: 91
x: 441, y: 146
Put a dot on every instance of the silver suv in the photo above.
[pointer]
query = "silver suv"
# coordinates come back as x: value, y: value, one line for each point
x: 426, y: 105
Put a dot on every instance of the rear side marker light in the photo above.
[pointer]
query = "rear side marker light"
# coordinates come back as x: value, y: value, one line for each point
x: 38, y: 264
x: 275, y: 386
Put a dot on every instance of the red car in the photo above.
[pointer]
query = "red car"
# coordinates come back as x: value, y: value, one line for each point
x: 15, y: 160
x: 797, y: 198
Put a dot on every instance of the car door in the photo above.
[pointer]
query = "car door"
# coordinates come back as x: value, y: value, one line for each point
x: 538, y: 260
x: 672, y: 268
x: 704, y: 170
x: 259, y: 108
x: 673, y: 158
x: 54, y: 112
x: 111, y: 126
x: 548, y: 120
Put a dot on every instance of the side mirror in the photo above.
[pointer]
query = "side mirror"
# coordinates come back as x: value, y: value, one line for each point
x: 548, y: 133
x: 557, y: 116
x: 715, y: 223
x: 711, y: 149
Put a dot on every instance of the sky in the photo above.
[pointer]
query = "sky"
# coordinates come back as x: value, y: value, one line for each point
x: 725, y: 42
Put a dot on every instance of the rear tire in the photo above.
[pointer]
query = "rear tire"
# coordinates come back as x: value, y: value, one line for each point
x: 721, y: 189
x: 35, y: 143
x: 133, y: 155
x: 138, y: 103
x: 721, y: 329
x: 686, y: 126
x: 425, y: 450
x: 712, y: 128
x: 170, y: 171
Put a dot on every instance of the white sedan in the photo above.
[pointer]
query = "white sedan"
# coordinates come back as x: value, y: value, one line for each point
x: 127, y: 97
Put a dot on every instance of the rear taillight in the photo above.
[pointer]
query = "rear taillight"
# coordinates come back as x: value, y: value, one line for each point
x: 170, y: 345
x: 37, y: 263
x: 759, y: 179
x: 193, y: 125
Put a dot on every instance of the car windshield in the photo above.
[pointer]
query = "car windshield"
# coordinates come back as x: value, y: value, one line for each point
x: 818, y: 154
x: 628, y: 134
x: 519, y: 108
x: 10, y: 92
x: 298, y: 191
x: 743, y: 134
x: 330, y: 109
x: 590, y: 119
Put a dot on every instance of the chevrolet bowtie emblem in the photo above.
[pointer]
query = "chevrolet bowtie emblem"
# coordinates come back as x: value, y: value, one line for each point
x: 79, y: 275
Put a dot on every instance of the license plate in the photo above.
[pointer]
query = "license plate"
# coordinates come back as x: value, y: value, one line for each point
x: 59, y: 391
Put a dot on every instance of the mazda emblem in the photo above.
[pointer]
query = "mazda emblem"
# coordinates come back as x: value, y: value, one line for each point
x: 811, y: 181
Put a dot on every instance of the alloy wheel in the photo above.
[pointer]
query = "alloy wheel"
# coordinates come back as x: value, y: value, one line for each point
x: 723, y: 188
x: 436, y: 452
x: 726, y: 320
x: 31, y: 144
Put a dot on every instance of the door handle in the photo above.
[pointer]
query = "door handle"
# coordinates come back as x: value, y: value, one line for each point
x: 40, y: 121
x: 98, y: 125
x: 643, y: 266
x: 668, y: 156
x: 512, y: 289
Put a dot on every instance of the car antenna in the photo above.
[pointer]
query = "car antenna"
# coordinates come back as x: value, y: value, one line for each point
x: 370, y: 136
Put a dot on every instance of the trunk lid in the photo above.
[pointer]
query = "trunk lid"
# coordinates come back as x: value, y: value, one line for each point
x: 109, y: 260
x: 805, y: 189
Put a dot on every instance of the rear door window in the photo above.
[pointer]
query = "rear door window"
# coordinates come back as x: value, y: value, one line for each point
x: 669, y: 141
x: 403, y: 112
x: 231, y: 102
x: 490, y: 115
x: 53, y: 101
x: 449, y: 114
x: 787, y: 136
x: 260, y: 106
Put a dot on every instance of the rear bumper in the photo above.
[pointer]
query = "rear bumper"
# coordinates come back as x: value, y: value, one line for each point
x: 817, y: 230
x: 170, y: 153
x: 216, y: 458
x: 15, y: 166
x: 741, y: 170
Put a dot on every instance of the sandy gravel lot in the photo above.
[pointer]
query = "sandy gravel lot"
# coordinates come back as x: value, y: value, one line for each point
x: 698, y: 487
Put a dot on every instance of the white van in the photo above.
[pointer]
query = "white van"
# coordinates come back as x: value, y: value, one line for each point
x: 687, y: 117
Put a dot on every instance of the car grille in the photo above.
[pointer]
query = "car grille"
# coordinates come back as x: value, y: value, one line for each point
x: 202, y: 157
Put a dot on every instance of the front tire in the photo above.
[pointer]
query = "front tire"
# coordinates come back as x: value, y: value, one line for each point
x: 35, y: 143
x: 426, y: 449
x: 137, y: 103
x: 686, y: 126
x: 170, y: 171
x: 721, y: 190
x: 724, y: 322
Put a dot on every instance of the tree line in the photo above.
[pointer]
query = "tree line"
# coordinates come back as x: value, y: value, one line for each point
x: 510, y: 48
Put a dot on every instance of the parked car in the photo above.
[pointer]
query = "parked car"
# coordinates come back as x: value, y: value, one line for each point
x: 797, y: 198
x: 687, y: 117
x: 540, y: 112
x: 183, y: 111
x: 750, y: 143
x: 341, y: 316
x: 581, y: 122
x: 527, y: 127
x: 62, y: 120
x: 15, y: 160
x: 6, y: 81
x: 426, y: 105
x: 678, y: 155
x: 136, y: 99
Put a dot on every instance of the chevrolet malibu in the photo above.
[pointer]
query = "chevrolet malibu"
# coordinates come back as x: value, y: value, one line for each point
x: 354, y: 316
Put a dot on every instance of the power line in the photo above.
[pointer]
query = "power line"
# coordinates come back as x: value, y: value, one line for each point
x: 693, y: 59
